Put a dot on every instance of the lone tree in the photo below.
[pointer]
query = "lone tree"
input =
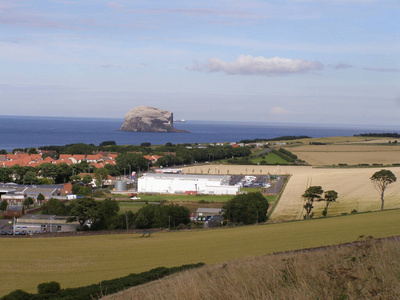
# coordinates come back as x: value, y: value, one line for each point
x: 381, y: 180
x: 313, y: 193
x: 330, y: 196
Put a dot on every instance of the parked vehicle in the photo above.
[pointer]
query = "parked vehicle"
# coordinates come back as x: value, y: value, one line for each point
x: 3, y: 232
x: 10, y: 232
x: 23, y: 232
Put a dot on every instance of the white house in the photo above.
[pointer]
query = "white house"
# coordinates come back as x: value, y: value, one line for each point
x: 186, y: 184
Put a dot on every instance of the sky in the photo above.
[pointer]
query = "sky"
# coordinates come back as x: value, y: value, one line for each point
x: 290, y: 61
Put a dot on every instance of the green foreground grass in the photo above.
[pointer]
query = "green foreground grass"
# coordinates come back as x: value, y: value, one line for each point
x: 78, y: 261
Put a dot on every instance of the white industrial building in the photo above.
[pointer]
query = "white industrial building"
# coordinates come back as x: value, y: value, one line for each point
x: 186, y: 184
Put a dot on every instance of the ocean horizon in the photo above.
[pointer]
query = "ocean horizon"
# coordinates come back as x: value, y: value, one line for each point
x: 33, y: 131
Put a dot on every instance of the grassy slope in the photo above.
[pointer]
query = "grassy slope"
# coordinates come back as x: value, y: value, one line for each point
x: 76, y: 261
x: 368, y: 270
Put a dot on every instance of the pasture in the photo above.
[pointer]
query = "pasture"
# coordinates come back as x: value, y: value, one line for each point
x: 78, y: 261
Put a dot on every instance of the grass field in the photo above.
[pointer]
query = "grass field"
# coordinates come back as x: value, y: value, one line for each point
x: 126, y: 206
x: 77, y: 261
x: 270, y: 158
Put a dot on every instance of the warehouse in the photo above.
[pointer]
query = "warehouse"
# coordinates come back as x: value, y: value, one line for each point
x: 45, y: 223
x: 187, y: 184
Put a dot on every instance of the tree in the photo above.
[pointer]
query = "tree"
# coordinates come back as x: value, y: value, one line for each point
x: 30, y: 178
x: 87, y: 179
x: 40, y: 197
x: 3, y: 205
x: 247, y: 208
x: 75, y: 178
x: 5, y: 175
x: 330, y: 196
x: 84, y: 209
x: 28, y: 201
x: 310, y: 195
x: 100, y: 174
x: 135, y: 161
x: 107, y: 212
x: 32, y: 151
x: 381, y: 180
x: 81, y: 190
x: 160, y: 216
x: 55, y: 207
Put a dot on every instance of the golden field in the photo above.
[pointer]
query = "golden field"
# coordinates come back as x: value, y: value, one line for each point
x: 78, y: 261
x: 356, y: 191
x: 351, y: 154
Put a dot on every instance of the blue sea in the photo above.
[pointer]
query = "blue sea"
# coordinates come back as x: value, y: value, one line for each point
x: 25, y: 132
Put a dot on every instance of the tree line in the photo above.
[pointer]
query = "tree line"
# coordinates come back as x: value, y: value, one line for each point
x: 104, y: 215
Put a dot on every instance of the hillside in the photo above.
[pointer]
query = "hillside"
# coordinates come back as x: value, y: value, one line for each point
x: 362, y: 270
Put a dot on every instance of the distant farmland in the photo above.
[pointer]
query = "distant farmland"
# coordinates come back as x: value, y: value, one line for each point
x: 349, y: 154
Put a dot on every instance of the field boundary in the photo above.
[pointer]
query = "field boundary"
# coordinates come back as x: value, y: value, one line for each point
x: 279, y: 196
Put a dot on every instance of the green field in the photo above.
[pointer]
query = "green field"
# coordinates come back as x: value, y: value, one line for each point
x: 271, y: 158
x: 77, y: 261
x: 126, y: 206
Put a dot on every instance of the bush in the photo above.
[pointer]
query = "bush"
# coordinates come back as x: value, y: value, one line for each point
x: 17, y: 295
x: 51, y: 287
x: 202, y: 201
x: 181, y: 226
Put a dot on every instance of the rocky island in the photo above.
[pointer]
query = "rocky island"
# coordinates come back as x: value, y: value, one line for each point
x: 149, y: 119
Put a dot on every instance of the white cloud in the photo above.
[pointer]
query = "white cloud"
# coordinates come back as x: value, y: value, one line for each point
x: 278, y: 110
x: 249, y: 65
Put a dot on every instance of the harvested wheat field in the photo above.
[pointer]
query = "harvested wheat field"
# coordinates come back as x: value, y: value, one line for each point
x: 355, y: 189
x: 350, y: 154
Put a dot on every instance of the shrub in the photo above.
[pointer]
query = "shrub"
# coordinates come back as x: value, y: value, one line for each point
x: 51, y: 287
x: 17, y: 295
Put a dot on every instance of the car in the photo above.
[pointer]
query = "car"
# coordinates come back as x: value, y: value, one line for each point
x: 3, y: 232
x: 23, y: 232
x: 17, y: 232
x: 10, y: 232
x: 135, y: 198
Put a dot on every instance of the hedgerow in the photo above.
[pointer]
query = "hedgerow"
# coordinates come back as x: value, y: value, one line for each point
x: 50, y: 290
